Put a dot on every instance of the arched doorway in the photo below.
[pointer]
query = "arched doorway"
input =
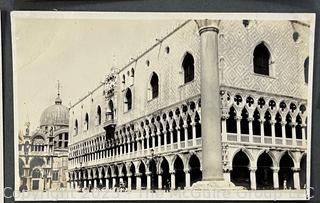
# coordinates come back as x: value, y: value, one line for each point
x: 36, y: 179
x: 179, y: 173
x: 125, y: 177
x: 142, y: 170
x: 195, y: 172
x: 165, y: 172
x: 133, y: 178
x: 154, y: 175
x: 303, y: 172
x: 285, y: 172
x: 240, y: 174
x: 110, y: 178
x: 264, y: 173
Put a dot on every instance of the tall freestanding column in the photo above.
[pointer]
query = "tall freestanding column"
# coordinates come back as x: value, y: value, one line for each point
x: 210, y: 108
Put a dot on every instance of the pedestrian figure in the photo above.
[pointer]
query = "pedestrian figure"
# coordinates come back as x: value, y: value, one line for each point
x: 168, y: 185
x: 285, y: 184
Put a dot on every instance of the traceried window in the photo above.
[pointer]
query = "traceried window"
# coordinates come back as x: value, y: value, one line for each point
x: 154, y: 83
x: 261, y: 59
x: 128, y: 100
x: 188, y: 67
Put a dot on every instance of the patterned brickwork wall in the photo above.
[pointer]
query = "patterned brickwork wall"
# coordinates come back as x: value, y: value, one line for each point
x: 236, y: 47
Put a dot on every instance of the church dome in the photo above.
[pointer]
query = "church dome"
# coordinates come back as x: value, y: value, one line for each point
x: 55, y: 115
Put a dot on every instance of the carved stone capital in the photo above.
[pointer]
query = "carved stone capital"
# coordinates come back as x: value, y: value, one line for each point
x: 207, y: 25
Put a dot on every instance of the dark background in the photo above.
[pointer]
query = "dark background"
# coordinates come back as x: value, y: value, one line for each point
x: 281, y: 6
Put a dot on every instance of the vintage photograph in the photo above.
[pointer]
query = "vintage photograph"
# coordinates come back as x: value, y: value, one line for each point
x: 162, y: 105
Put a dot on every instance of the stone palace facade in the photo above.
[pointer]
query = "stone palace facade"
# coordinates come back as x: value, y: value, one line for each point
x: 149, y: 124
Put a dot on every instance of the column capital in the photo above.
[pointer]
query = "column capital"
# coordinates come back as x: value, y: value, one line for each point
x: 138, y: 174
x: 148, y: 173
x: 186, y: 170
x: 206, y: 25
x: 253, y: 169
x: 295, y: 169
x: 250, y: 119
x: 262, y: 120
x: 272, y: 122
x: 283, y: 123
x: 293, y: 124
x: 172, y: 172
x: 275, y: 169
x: 238, y: 117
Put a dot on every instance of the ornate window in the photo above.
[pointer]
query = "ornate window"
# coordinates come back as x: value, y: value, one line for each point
x: 306, y: 70
x: 76, y: 127
x: 154, y: 83
x: 261, y: 59
x: 188, y: 67
x: 86, y: 122
x: 98, y: 115
x: 128, y: 100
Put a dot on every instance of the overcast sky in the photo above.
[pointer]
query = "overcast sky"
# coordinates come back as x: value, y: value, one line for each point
x: 77, y: 52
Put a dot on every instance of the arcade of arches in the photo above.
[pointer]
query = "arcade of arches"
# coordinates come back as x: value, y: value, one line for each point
x: 264, y: 141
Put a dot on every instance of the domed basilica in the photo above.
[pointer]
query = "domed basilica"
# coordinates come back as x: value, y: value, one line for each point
x: 43, y: 154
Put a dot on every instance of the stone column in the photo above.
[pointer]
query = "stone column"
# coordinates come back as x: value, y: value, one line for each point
x: 262, y: 120
x: 138, y: 180
x: 153, y: 141
x: 283, y: 132
x: 159, y: 181
x: 253, y: 182
x: 194, y: 134
x: 210, y: 107
x: 294, y: 136
x: 129, y: 146
x: 171, y: 138
x: 129, y: 182
x: 273, y: 130
x: 296, y: 178
x: 75, y: 185
x: 303, y: 132
x: 178, y: 137
x: 165, y: 140
x: 226, y: 175
x: 238, y: 118
x: 142, y: 145
x: 148, y: 142
x: 173, y: 180
x: 121, y: 149
x: 159, y: 141
x: 107, y: 183
x: 185, y: 126
x: 114, y: 181
x: 95, y: 183
x: 275, y: 177
x: 250, y: 119
x: 148, y: 180
x: 187, y: 173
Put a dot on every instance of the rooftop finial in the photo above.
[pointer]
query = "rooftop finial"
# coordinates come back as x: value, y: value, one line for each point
x: 58, y: 87
x: 58, y: 99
